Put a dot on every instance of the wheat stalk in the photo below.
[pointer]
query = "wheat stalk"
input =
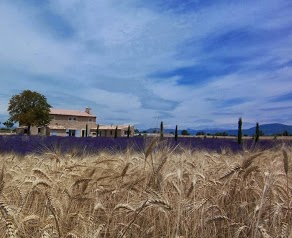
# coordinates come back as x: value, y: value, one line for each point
x: 159, y: 202
x: 53, y: 211
x: 264, y: 232
x: 284, y: 230
x: 217, y: 218
x: 41, y: 174
x: 2, y: 182
x: 124, y: 206
x: 239, y: 230
x: 247, y: 162
x: 150, y: 147
x: 97, y: 231
x: 233, y: 169
x: 286, y: 161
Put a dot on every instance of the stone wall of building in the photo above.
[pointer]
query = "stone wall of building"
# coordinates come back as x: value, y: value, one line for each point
x: 65, y: 125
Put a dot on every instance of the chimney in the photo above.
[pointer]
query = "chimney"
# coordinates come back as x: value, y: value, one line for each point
x: 87, y: 110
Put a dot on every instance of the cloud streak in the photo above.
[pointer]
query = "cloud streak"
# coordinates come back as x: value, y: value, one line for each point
x: 193, y: 64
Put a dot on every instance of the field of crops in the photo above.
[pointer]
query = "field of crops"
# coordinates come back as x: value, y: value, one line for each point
x: 150, y: 188
x: 39, y: 144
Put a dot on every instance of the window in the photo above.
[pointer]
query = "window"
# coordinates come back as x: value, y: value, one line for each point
x: 90, y: 120
x: 52, y: 118
x: 72, y: 132
x: 39, y: 130
x: 72, y: 119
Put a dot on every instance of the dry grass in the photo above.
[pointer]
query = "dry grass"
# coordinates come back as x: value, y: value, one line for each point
x: 160, y: 193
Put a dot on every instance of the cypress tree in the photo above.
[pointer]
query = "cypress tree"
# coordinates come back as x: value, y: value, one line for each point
x: 129, y: 131
x: 116, y: 132
x: 97, y: 130
x: 86, y: 130
x: 161, y: 130
x: 175, y: 134
x: 257, y: 134
x: 239, y: 135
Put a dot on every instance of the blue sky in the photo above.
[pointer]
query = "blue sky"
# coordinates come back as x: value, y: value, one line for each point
x: 196, y: 64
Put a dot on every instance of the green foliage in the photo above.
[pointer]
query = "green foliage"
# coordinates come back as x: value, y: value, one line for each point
x: 239, y: 135
x: 285, y: 133
x: 185, y: 133
x: 176, y: 134
x: 257, y: 134
x: 97, y: 130
x: 86, y: 130
x: 29, y: 108
x: 224, y: 133
x: 136, y: 131
x: 116, y: 132
x: 9, y: 123
x: 161, y: 130
x: 129, y: 131
x: 200, y: 133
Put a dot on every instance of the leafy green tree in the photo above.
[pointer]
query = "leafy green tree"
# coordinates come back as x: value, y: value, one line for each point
x: 185, y: 133
x: 239, y: 134
x: 9, y: 123
x: 224, y: 133
x: 176, y: 134
x: 285, y: 133
x: 200, y: 133
x: 29, y: 108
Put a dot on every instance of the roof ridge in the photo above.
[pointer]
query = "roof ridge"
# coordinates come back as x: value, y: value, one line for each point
x: 69, y: 112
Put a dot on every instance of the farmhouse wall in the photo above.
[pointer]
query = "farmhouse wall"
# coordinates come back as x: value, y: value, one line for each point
x: 79, y: 123
x: 109, y: 131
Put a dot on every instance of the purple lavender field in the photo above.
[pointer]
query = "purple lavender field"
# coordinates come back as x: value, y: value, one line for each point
x: 38, y: 144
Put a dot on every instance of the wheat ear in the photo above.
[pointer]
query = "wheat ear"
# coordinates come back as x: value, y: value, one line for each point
x: 150, y: 147
x: 53, y: 211
x: 10, y: 228
x: 2, y: 179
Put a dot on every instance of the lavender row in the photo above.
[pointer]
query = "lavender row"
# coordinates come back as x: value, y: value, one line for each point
x: 39, y: 144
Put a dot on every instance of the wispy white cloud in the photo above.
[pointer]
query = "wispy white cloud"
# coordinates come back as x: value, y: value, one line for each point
x: 108, y: 55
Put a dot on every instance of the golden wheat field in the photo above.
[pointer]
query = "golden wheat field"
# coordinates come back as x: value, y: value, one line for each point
x: 158, y: 193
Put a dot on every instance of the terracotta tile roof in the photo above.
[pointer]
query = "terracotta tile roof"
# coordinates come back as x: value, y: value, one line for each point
x: 66, y: 112
x: 113, y: 127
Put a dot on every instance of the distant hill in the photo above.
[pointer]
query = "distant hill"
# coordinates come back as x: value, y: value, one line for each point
x: 270, y: 129
x: 267, y: 129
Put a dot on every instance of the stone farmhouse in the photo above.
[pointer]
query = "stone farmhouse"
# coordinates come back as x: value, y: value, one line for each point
x: 75, y: 123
